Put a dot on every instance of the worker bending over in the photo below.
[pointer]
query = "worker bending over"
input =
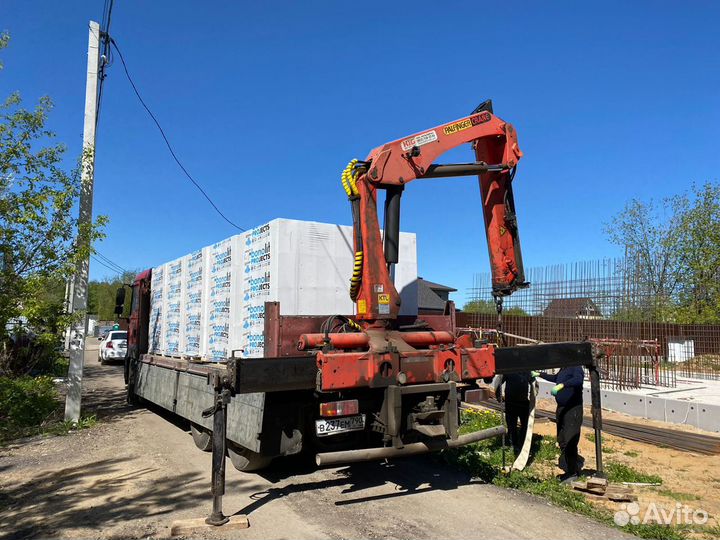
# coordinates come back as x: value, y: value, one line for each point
x: 514, y: 389
x: 568, y: 392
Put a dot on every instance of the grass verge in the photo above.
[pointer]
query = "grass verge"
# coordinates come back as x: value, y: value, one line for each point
x: 31, y: 406
x: 485, y: 459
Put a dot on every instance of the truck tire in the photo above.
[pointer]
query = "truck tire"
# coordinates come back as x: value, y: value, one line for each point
x: 245, y: 460
x: 201, y: 437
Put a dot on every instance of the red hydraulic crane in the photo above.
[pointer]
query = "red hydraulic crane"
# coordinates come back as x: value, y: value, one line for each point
x: 376, y: 352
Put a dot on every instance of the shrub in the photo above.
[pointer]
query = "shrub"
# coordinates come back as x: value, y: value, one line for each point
x: 30, y: 354
x: 25, y: 402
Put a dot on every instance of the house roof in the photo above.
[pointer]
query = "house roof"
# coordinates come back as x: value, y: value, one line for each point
x: 428, y: 298
x: 436, y: 286
x: 571, y: 307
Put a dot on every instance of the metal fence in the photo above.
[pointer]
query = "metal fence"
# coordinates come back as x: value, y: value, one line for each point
x: 604, y: 302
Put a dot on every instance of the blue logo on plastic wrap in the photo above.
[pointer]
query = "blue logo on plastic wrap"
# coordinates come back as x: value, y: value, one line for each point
x: 219, y: 332
x: 192, y: 323
x: 261, y: 283
x: 218, y: 354
x: 257, y: 256
x: 222, y: 259
x: 259, y: 232
x: 192, y: 344
x: 220, y: 309
x: 220, y: 284
x: 173, y: 290
x: 194, y: 277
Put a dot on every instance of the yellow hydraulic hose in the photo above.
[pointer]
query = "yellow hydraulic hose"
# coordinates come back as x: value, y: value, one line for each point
x: 349, y: 179
x: 349, y: 182
x: 356, y: 278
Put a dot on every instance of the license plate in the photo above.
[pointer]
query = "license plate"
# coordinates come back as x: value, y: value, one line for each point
x: 323, y: 428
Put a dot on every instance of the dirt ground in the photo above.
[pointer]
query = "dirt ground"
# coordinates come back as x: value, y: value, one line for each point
x: 136, y: 472
x: 688, y: 478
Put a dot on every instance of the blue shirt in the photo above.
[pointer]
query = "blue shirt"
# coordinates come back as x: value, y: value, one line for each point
x: 572, y: 380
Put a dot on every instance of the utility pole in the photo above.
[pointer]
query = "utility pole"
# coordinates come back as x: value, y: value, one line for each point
x: 68, y: 307
x: 80, y: 288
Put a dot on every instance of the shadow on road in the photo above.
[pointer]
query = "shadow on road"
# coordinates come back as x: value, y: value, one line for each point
x: 409, y: 476
x: 94, y: 495
x: 104, y: 393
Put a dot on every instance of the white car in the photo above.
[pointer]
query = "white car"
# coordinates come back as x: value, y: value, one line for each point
x: 113, y: 346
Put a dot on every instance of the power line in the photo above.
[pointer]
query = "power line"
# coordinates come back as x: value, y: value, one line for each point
x: 167, y: 142
x: 105, y: 265
x: 106, y: 58
x: 111, y: 262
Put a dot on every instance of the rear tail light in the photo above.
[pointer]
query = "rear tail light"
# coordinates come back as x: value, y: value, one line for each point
x: 340, y: 408
x: 109, y: 345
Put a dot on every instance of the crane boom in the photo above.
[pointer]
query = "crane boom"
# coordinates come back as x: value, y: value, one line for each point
x: 395, y: 164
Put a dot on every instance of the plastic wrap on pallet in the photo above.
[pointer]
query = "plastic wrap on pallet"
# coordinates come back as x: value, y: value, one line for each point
x: 220, y: 279
x: 194, y: 319
x: 173, y: 324
x: 156, y: 334
x: 305, y: 266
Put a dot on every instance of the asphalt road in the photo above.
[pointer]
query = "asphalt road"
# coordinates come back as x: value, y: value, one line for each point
x: 137, y: 471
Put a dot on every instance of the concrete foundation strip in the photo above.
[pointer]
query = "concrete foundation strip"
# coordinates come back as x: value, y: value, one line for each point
x: 679, y: 440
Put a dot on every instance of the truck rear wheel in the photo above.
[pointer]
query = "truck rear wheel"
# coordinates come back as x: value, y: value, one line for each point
x: 201, y: 438
x: 245, y: 460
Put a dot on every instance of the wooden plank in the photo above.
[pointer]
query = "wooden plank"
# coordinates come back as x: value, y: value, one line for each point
x: 621, y: 497
x: 597, y: 482
x: 188, y: 527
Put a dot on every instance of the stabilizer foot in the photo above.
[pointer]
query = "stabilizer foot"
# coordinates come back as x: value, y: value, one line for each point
x: 191, y: 527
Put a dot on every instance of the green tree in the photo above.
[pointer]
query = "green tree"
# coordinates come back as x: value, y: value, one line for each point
x: 38, y: 200
x: 699, y: 224
x: 672, y: 257
x: 487, y: 307
x: 101, y: 296
x: 649, y: 233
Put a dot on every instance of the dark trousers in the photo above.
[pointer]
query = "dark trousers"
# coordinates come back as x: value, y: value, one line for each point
x: 514, y: 413
x: 569, y: 421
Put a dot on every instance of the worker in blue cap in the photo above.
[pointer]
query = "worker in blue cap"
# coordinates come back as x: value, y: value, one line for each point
x: 568, y: 393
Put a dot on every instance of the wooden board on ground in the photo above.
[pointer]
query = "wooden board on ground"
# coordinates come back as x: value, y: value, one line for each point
x: 188, y: 527
x: 599, y: 488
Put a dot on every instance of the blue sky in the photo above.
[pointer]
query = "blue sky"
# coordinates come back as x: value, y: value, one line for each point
x: 265, y: 103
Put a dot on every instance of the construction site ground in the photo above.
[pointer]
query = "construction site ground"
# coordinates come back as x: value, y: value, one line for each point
x: 687, y: 478
x: 136, y: 472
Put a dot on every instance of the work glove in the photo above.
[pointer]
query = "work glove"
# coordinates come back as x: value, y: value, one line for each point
x: 557, y: 389
x: 534, y: 374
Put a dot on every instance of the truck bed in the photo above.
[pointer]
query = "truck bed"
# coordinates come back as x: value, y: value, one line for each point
x: 182, y: 388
